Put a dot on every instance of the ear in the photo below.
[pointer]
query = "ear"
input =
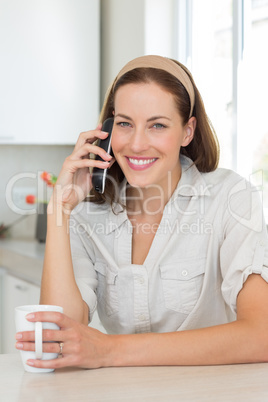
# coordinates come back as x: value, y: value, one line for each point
x: 189, y: 130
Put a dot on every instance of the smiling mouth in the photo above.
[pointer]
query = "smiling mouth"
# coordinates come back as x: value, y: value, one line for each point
x: 141, y: 162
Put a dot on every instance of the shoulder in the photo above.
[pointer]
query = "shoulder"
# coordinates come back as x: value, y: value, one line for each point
x: 225, y: 178
x: 239, y: 200
x: 231, y: 189
x: 218, y: 176
x: 220, y: 181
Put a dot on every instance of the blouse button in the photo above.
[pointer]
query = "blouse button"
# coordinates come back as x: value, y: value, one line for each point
x: 184, y: 272
x: 139, y: 280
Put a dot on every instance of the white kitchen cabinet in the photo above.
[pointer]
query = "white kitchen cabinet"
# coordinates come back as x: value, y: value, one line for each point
x: 2, y: 273
x: 49, y: 70
x: 16, y: 292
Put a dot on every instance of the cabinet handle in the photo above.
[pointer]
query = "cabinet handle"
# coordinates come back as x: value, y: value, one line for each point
x: 22, y: 288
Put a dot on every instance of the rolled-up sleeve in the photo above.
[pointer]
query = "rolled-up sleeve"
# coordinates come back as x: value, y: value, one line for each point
x: 84, y: 272
x: 244, y: 248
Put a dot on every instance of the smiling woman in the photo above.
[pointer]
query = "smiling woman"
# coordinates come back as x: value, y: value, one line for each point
x: 175, y: 259
x: 144, y: 142
x: 185, y: 99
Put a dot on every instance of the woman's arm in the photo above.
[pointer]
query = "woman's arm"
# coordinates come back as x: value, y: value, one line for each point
x: 241, y: 341
x: 74, y: 182
x: 58, y: 282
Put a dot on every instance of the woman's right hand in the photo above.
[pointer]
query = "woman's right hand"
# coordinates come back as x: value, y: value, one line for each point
x: 74, y: 181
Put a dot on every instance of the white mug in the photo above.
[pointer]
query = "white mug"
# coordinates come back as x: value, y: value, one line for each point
x: 22, y: 324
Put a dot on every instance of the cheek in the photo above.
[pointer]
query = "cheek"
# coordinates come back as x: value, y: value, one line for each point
x: 117, y: 142
x: 170, y: 145
x: 114, y: 144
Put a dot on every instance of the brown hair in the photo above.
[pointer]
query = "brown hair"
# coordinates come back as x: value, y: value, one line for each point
x: 203, y: 150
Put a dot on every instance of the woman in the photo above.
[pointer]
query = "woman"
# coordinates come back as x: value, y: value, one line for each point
x: 173, y: 254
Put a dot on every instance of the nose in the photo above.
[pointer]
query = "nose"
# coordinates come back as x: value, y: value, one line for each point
x: 139, y: 141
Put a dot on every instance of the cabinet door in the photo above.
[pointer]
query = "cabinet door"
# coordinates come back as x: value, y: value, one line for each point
x: 49, y: 70
x: 2, y: 273
x: 16, y: 292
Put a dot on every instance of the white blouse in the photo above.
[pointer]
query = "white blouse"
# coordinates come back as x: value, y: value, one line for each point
x: 212, y: 236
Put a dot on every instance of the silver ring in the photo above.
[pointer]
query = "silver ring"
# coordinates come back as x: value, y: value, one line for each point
x: 61, y: 346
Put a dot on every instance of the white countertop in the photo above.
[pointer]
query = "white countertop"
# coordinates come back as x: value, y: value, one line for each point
x: 245, y: 382
x: 27, y: 248
x: 23, y: 258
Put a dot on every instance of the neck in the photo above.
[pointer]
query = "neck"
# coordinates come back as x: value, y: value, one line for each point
x: 152, y: 199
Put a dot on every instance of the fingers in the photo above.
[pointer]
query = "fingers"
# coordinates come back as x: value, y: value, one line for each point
x: 86, y: 149
x: 51, y: 339
x: 68, y: 361
x: 77, y: 168
x: 72, y: 166
x: 51, y: 316
x: 90, y: 137
x: 79, y: 159
x: 68, y: 357
x: 112, y: 161
x: 47, y: 347
x: 49, y: 335
x: 81, y: 346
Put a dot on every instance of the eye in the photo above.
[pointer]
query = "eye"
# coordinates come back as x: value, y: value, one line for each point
x: 159, y: 126
x: 123, y: 124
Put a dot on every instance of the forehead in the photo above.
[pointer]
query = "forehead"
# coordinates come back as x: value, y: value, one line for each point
x: 148, y: 93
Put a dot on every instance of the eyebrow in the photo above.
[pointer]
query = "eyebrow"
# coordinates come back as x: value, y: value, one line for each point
x: 150, y: 119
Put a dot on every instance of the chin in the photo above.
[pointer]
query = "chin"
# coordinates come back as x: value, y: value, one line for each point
x: 141, y: 179
x: 136, y: 183
x: 140, y: 184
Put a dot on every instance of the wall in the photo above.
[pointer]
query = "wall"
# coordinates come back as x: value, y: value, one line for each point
x: 161, y: 29
x: 133, y: 28
x: 49, y: 77
x: 122, y: 36
x: 30, y: 159
x: 128, y: 29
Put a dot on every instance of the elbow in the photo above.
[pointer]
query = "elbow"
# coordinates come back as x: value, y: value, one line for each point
x: 258, y: 344
x: 263, y: 347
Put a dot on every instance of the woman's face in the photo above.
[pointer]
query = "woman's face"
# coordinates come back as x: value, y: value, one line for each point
x: 148, y: 134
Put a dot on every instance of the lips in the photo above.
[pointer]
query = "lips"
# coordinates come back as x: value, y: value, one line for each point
x: 140, y: 163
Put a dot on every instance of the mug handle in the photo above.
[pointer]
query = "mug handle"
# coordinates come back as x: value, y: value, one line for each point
x: 38, y: 340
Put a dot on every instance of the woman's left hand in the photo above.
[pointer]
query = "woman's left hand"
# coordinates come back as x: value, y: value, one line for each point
x: 82, y: 346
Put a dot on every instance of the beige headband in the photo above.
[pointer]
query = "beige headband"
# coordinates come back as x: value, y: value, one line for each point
x: 161, y: 63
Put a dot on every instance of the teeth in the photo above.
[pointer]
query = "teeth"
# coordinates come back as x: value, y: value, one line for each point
x: 141, y: 161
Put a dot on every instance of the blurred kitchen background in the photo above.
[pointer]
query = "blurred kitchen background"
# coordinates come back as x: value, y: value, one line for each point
x: 57, y: 58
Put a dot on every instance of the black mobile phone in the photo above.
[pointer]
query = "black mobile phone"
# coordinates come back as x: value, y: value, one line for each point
x: 99, y: 175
